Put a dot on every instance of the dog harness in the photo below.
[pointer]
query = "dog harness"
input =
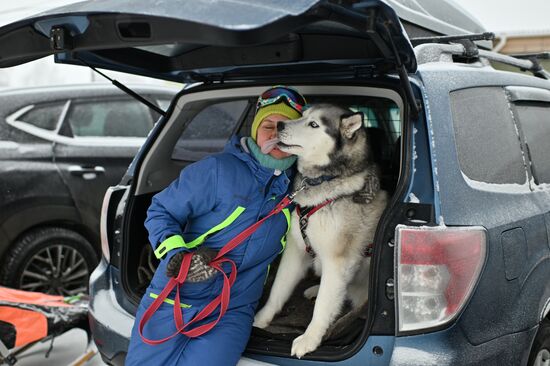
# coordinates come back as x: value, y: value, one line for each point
x: 366, y: 195
x: 304, y: 213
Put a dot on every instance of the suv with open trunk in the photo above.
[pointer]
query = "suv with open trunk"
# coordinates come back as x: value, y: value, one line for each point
x: 461, y: 259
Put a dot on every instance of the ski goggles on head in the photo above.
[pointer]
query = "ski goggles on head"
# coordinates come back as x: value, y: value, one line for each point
x: 284, y: 94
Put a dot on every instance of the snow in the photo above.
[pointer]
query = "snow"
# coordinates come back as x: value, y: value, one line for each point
x: 494, y: 187
x: 413, y: 198
x: 414, y: 356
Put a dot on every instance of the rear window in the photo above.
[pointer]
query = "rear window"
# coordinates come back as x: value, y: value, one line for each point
x: 486, y: 136
x: 109, y: 118
x: 534, y: 119
x: 45, y: 116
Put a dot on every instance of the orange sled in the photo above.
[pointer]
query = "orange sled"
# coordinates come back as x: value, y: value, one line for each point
x: 27, y: 318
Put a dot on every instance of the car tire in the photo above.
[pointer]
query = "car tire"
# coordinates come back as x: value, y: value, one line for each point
x: 540, y: 351
x: 52, y: 260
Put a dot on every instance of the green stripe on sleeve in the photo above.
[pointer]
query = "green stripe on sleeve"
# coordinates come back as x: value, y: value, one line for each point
x: 225, y: 223
x: 176, y: 241
x: 169, y: 244
x: 169, y: 301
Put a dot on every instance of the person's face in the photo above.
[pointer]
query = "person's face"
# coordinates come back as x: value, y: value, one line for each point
x: 267, y: 131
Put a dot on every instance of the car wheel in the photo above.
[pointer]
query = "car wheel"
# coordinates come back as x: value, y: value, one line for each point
x: 50, y: 260
x: 540, y: 352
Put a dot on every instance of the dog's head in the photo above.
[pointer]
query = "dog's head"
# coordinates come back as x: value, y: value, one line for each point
x: 323, y: 132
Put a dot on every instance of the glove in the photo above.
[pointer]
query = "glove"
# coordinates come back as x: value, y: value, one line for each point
x: 199, y: 270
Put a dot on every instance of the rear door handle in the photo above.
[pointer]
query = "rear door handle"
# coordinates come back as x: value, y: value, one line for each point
x: 86, y: 172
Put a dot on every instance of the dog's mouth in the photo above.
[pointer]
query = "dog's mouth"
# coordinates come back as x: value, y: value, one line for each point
x: 282, y: 146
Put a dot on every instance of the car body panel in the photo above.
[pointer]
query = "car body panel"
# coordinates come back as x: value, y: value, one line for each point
x: 21, y: 196
x: 88, y: 170
x: 514, y: 273
x: 450, y: 347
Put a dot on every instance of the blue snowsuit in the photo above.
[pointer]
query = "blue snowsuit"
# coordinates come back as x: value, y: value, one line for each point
x: 206, y: 193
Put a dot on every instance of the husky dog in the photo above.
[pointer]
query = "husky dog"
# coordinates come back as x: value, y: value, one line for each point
x: 339, y: 179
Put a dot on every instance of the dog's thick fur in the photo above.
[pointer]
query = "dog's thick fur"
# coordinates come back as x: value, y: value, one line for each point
x: 329, y: 142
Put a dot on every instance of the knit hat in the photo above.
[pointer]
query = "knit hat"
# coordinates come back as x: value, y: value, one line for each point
x: 280, y: 108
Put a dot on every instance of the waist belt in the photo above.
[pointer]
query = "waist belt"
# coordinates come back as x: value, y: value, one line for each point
x: 221, y: 301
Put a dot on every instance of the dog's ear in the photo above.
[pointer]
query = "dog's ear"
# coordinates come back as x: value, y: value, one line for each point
x: 351, y: 123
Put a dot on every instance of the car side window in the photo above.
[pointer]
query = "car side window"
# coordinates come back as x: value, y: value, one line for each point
x: 534, y: 119
x: 208, y: 129
x: 45, y: 116
x: 487, y: 140
x: 109, y: 118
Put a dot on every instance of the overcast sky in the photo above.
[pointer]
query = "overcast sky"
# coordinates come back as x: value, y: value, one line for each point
x: 511, y: 15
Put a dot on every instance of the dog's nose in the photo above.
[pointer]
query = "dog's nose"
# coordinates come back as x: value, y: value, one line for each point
x: 280, y: 126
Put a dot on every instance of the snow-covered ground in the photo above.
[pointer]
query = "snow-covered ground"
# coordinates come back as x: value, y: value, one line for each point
x: 66, y: 349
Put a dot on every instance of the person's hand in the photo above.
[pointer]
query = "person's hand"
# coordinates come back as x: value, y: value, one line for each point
x: 199, y: 270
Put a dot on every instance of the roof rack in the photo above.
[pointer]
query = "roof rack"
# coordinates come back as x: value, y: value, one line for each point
x: 486, y: 36
x: 463, y: 46
x: 538, y: 56
x: 535, y: 60
x: 532, y: 65
x: 467, y: 40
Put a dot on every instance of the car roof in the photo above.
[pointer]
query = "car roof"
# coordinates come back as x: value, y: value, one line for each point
x: 12, y: 99
x: 83, y: 89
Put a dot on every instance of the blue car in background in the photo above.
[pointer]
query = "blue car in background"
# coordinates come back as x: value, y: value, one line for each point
x: 461, y: 264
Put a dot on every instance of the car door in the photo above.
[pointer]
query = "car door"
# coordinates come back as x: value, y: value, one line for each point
x: 26, y: 156
x: 102, y: 137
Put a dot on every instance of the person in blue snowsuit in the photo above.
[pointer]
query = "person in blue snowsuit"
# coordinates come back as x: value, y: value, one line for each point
x: 212, y: 201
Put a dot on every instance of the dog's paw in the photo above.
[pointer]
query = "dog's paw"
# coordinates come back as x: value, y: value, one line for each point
x: 304, y: 344
x: 311, y: 292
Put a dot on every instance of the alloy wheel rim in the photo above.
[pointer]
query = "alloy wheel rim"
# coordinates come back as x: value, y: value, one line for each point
x: 57, y: 269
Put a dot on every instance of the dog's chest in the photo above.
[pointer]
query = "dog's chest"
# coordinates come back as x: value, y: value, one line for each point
x: 321, y: 229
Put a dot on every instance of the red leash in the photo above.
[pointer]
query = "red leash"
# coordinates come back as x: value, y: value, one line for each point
x: 221, y: 301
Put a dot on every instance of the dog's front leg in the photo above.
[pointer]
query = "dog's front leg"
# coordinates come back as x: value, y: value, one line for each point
x: 293, y: 267
x: 332, y: 293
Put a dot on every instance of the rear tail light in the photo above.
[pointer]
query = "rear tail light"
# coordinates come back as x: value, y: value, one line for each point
x: 436, y: 271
